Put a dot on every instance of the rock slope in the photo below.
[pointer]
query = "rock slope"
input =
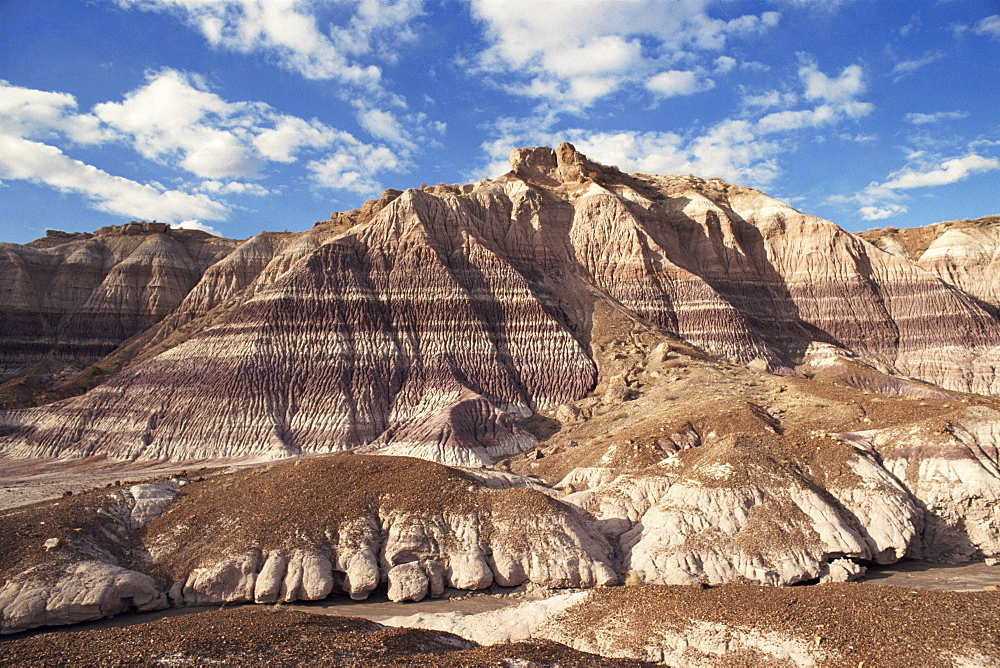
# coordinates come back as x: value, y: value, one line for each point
x: 962, y: 253
x: 275, y: 637
x: 294, y: 531
x: 740, y: 625
x: 70, y: 299
x: 449, y: 314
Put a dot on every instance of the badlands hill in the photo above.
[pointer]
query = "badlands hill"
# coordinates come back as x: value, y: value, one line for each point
x: 430, y: 329
x: 652, y: 379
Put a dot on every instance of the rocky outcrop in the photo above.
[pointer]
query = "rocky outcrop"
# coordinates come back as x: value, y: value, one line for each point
x: 962, y: 253
x: 83, y: 573
x: 951, y: 465
x: 829, y: 625
x: 298, y: 531
x: 325, y: 341
x: 70, y: 300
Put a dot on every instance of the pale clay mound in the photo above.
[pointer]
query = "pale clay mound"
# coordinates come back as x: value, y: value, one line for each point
x: 295, y: 531
x: 549, y: 337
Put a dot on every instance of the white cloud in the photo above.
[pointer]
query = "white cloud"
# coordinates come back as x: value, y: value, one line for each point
x: 724, y: 64
x: 233, y: 188
x: 42, y: 114
x: 988, y: 27
x: 740, y: 150
x: 289, y: 135
x: 771, y: 99
x: 946, y: 173
x: 289, y: 30
x: 578, y: 52
x: 883, y: 200
x: 40, y: 163
x: 924, y: 119
x: 384, y: 125
x: 353, y: 166
x: 195, y: 225
x: 175, y: 121
x: 843, y: 88
x: 881, y: 212
x: 729, y: 150
x: 907, y: 67
x: 28, y: 115
x: 677, y: 82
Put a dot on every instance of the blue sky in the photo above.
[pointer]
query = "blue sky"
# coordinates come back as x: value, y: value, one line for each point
x: 251, y: 115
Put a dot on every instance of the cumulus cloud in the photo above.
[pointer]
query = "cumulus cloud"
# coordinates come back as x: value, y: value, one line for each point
x: 770, y: 99
x: 840, y: 89
x: 174, y: 120
x: 195, y: 225
x: 881, y: 212
x: 39, y: 113
x: 579, y: 52
x: 233, y: 187
x: 31, y: 120
x: 40, y: 163
x: 729, y: 150
x: 353, y: 166
x: 289, y: 31
x: 924, y: 119
x: 677, y: 82
x: 949, y: 171
x: 883, y: 200
x: 744, y: 150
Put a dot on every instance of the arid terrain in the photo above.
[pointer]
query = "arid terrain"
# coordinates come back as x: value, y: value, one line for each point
x: 634, y: 409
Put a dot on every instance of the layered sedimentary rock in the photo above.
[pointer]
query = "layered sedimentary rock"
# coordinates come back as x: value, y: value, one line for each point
x: 702, y: 471
x: 295, y: 531
x: 70, y: 299
x: 447, y: 315
x: 962, y: 253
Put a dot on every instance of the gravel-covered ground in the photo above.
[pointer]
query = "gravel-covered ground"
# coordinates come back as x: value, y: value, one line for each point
x: 269, y: 636
x: 845, y: 625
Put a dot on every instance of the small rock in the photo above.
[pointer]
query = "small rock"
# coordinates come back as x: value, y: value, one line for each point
x: 407, y: 582
x: 616, y: 394
x: 52, y: 543
x: 567, y: 414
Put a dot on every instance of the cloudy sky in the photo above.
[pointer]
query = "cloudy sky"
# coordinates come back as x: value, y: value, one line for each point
x: 246, y: 115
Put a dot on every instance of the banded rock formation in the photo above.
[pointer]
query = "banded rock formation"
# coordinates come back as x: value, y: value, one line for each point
x: 962, y: 253
x: 436, y: 325
x: 70, y: 299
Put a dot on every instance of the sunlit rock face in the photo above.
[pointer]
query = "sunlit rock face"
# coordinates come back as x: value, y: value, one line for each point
x: 446, y: 315
x: 962, y: 253
x: 70, y: 299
